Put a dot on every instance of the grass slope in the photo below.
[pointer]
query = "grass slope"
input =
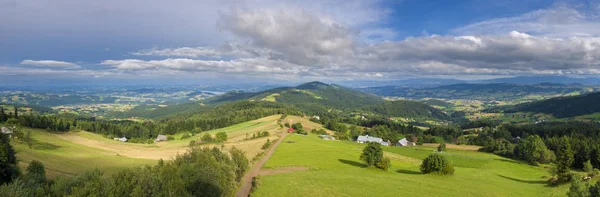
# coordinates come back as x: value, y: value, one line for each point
x: 337, y: 171
x: 74, y: 152
x: 61, y: 156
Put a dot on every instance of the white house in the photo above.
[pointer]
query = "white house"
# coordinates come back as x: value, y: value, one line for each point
x: 364, y: 139
x: 404, y: 142
x: 161, y: 138
x: 123, y: 139
x: 6, y: 130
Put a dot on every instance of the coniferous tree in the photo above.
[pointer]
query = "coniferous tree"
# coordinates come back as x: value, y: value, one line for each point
x: 8, y: 161
x: 564, y: 159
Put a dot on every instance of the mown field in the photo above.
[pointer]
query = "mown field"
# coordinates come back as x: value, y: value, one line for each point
x: 77, y: 151
x: 335, y: 170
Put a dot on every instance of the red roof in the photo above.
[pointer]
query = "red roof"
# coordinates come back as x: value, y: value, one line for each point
x: 291, y: 130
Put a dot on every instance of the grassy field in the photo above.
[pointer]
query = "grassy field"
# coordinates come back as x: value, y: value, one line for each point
x: 335, y: 170
x: 61, y: 156
x: 77, y: 151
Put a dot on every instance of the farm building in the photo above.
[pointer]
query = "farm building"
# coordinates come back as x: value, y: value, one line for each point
x: 6, y: 130
x: 123, y: 139
x: 364, y: 139
x: 326, y: 137
x: 404, y: 142
x: 161, y: 138
x: 291, y: 130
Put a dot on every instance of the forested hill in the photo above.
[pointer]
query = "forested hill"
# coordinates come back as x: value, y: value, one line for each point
x: 496, y: 91
x: 562, y: 107
x: 308, y: 95
x: 326, y: 99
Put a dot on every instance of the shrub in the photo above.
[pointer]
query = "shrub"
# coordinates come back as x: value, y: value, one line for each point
x: 384, y: 164
x: 441, y: 147
x: 255, y: 183
x: 206, y: 138
x: 149, y: 141
x: 186, y: 136
x: 221, y: 137
x: 170, y: 138
x: 437, y: 163
x: 588, y: 168
x: 192, y: 142
x: 266, y: 145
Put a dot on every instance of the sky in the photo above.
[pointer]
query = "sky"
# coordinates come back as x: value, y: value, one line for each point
x: 233, y: 41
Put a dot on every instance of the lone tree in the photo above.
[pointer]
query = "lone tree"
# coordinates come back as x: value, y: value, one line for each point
x: 373, y: 156
x: 441, y: 147
x: 564, y: 159
x: 437, y: 163
x: 8, y: 161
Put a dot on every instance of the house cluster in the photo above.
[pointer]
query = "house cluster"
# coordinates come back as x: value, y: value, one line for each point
x: 364, y: 139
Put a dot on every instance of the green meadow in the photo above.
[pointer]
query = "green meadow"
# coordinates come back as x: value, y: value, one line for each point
x: 335, y: 170
x: 61, y: 156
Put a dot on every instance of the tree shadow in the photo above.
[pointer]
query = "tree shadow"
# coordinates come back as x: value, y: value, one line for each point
x: 510, y: 161
x: 353, y: 163
x: 523, y: 181
x: 408, y: 172
x: 38, y: 145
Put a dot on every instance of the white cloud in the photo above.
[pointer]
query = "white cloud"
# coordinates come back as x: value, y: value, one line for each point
x: 51, y: 63
x: 558, y: 21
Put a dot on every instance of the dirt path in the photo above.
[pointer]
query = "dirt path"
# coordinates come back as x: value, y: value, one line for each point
x: 244, y: 190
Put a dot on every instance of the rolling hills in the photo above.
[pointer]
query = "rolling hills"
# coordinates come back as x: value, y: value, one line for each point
x: 493, y: 91
x: 562, y: 107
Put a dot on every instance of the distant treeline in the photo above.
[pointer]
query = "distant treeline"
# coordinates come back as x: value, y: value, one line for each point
x: 212, y: 118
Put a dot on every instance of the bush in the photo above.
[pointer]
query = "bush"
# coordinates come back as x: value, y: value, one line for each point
x: 384, y: 164
x: 206, y: 138
x: 266, y: 145
x: 441, y: 147
x: 170, y: 138
x: 149, y: 141
x: 186, y: 136
x: 221, y: 137
x: 437, y: 163
x: 255, y: 183
x: 588, y: 168
x: 192, y: 142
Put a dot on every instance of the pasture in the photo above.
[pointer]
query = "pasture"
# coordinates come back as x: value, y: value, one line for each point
x: 76, y: 151
x: 335, y: 170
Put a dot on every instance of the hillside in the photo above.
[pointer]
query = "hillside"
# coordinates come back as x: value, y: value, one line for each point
x: 494, y: 91
x: 562, y: 107
x: 407, y: 109
x: 308, y: 95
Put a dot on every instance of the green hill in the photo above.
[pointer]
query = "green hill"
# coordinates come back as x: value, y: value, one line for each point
x: 562, y: 107
x: 494, y: 91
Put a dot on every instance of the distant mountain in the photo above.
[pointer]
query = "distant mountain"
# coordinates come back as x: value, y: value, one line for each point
x: 413, y: 83
x: 562, y: 107
x: 530, y: 80
x: 492, y: 91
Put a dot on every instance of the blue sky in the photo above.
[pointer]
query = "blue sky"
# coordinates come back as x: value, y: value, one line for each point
x: 213, y: 41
